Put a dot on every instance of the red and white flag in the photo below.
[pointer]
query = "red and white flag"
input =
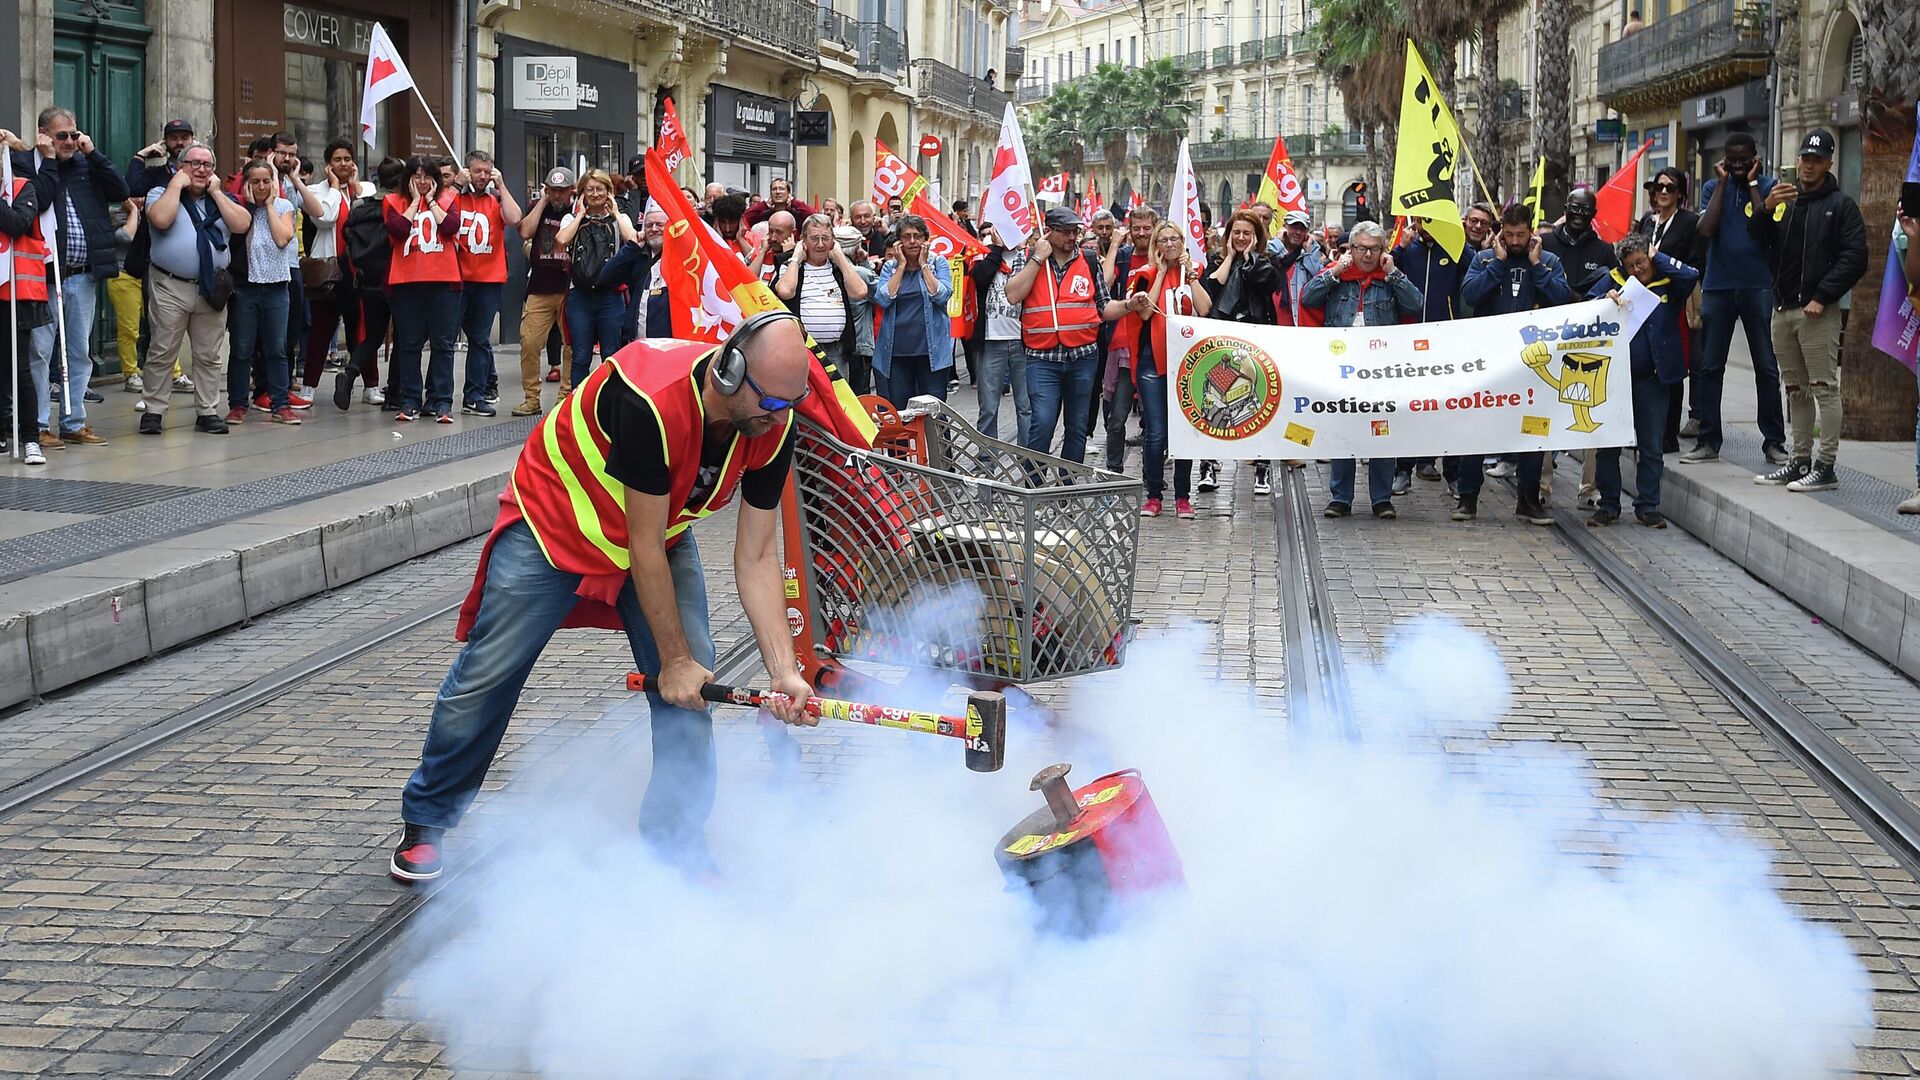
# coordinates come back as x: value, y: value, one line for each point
x: 1008, y: 206
x: 387, y: 75
x: 1135, y: 201
x: 894, y: 178
x: 1280, y: 186
x: 1095, y: 203
x: 1184, y: 211
x: 1054, y: 188
x: 672, y: 143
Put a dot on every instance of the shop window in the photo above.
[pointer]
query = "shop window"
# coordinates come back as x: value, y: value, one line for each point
x: 323, y: 102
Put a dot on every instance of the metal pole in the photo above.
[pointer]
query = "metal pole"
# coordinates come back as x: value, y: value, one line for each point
x: 59, y: 338
x: 1773, y: 86
x: 451, y: 149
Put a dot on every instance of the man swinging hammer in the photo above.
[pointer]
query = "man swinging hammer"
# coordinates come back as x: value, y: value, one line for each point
x: 595, y: 529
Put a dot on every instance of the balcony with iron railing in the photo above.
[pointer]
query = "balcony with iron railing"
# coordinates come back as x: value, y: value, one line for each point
x: 880, y: 52
x: 791, y: 27
x: 1263, y: 49
x: 1192, y: 61
x: 1714, y: 44
x: 1016, y: 62
x: 1227, y: 150
x: 838, y: 31
x: 943, y: 84
x: 1222, y: 56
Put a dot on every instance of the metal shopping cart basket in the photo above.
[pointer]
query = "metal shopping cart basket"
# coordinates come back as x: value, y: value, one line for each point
x: 942, y: 548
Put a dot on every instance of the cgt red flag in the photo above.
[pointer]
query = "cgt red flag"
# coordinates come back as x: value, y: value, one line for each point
x: 892, y: 177
x: 1614, y: 218
x: 711, y: 292
x: 673, y: 138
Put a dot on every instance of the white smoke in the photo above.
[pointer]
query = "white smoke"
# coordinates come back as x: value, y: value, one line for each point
x: 1380, y: 910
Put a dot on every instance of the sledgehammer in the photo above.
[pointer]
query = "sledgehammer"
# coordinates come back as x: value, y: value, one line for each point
x: 983, y: 730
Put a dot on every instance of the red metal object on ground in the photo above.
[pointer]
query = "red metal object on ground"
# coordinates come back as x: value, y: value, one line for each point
x: 1090, y: 851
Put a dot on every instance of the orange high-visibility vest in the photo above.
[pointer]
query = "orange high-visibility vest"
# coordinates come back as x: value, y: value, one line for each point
x: 1062, y: 315
x: 29, y: 255
x: 576, y: 511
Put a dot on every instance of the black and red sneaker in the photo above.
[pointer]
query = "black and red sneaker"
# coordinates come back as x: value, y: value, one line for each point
x: 418, y: 856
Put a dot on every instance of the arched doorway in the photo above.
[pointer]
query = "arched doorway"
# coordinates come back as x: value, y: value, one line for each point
x: 1842, y: 74
x: 858, y: 185
x: 1224, y: 207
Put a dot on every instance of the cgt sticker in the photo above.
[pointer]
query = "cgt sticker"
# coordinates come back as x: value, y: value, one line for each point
x: 1229, y: 388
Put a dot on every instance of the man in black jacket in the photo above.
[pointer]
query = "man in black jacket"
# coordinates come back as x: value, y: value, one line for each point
x: 80, y: 183
x: 1816, y: 246
x: 156, y: 162
x: 1584, y: 255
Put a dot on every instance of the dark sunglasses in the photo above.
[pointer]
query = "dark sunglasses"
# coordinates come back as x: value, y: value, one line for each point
x: 1662, y: 187
x: 66, y: 136
x: 775, y: 404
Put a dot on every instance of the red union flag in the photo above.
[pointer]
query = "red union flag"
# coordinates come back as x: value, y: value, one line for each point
x: 673, y: 138
x: 1054, y: 188
x: 387, y: 75
x: 1280, y: 186
x: 894, y: 178
x: 1135, y: 201
x: 1007, y: 206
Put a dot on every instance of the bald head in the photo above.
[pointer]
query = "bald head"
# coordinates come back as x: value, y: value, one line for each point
x: 780, y: 226
x: 778, y: 362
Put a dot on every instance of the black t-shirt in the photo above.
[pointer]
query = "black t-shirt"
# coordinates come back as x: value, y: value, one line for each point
x: 549, y: 263
x: 634, y: 451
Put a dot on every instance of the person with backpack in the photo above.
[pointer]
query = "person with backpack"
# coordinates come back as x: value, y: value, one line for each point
x: 547, y: 275
x: 423, y: 288
x: 591, y: 235
x: 368, y: 255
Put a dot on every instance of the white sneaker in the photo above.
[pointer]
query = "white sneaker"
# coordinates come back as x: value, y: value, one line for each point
x: 31, y: 454
x: 135, y: 385
x: 140, y: 404
x: 1911, y: 505
x: 1501, y: 470
x: 372, y: 396
x: 182, y: 384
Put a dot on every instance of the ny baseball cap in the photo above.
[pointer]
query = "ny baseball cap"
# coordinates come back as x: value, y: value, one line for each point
x: 1819, y: 143
x: 636, y: 165
x: 560, y: 177
x: 1298, y: 217
x: 177, y: 127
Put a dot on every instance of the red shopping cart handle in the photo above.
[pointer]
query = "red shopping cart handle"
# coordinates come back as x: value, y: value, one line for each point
x: 983, y: 730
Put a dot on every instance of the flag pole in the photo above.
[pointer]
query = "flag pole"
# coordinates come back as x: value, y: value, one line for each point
x: 1466, y: 145
x: 14, y: 449
x: 448, y: 143
x: 60, y: 341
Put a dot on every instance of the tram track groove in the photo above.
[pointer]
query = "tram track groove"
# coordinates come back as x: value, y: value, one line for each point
x: 1319, y: 699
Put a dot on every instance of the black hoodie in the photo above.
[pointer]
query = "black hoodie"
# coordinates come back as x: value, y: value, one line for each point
x: 1816, y: 245
x: 1587, y: 258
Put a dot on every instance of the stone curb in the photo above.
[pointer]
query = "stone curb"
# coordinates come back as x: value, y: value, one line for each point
x: 74, y: 624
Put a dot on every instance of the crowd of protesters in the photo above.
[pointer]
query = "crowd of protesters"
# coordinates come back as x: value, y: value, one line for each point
x: 245, y: 279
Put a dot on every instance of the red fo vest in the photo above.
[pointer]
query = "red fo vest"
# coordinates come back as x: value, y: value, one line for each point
x: 1064, y: 316
x: 29, y: 255
x: 576, y: 511
x: 422, y: 256
x: 480, y: 244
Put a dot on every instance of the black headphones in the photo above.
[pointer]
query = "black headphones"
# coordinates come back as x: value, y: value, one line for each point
x: 730, y: 367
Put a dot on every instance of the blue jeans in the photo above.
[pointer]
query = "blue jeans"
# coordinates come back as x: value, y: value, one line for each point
x: 909, y: 377
x: 80, y: 296
x: 1002, y: 364
x: 257, y: 318
x: 593, y: 317
x: 481, y: 304
x: 1060, y: 390
x: 1753, y: 308
x: 1526, y: 471
x: 523, y: 603
x: 423, y: 311
x: 1379, y: 479
x: 1650, y: 397
x: 1151, y: 392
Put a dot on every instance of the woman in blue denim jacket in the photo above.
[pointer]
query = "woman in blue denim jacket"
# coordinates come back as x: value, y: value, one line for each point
x: 913, y: 347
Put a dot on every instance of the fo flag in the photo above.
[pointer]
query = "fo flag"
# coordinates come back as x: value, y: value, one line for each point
x: 1054, y: 188
x: 387, y: 75
x: 1896, y: 326
x: 893, y: 177
x: 1280, y: 186
x: 1007, y: 206
x: 673, y: 145
x: 1184, y: 213
x: 711, y: 292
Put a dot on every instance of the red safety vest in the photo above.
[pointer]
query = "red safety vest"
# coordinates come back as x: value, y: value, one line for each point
x: 480, y: 243
x: 577, y: 512
x: 29, y: 254
x: 1064, y: 316
x: 422, y: 256
x: 1127, y: 333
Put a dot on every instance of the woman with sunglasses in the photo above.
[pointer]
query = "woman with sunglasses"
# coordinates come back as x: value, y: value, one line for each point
x: 1674, y: 231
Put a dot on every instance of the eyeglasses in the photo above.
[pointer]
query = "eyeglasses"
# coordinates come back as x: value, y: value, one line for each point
x: 1367, y: 249
x: 775, y: 404
x: 197, y: 164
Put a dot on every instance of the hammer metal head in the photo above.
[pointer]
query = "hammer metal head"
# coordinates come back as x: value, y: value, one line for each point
x: 986, y: 731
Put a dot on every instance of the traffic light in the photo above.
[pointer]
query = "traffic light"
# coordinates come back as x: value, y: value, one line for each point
x: 1360, y: 193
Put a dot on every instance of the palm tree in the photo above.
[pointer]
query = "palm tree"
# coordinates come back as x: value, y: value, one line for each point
x: 1362, y: 45
x: 1552, y: 104
x: 1878, y: 393
x: 1114, y: 104
x: 1486, y: 139
x: 1057, y: 137
x: 1164, y: 111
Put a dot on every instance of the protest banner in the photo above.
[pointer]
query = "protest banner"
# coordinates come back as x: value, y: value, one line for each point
x: 1553, y: 379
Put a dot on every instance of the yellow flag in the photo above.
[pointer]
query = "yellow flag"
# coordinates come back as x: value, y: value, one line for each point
x: 1534, y: 199
x: 1424, y: 157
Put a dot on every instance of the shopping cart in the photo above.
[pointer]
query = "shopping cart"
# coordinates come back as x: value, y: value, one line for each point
x: 943, y: 549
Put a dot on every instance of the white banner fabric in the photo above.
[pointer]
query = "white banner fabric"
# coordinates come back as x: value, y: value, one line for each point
x: 1553, y: 379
